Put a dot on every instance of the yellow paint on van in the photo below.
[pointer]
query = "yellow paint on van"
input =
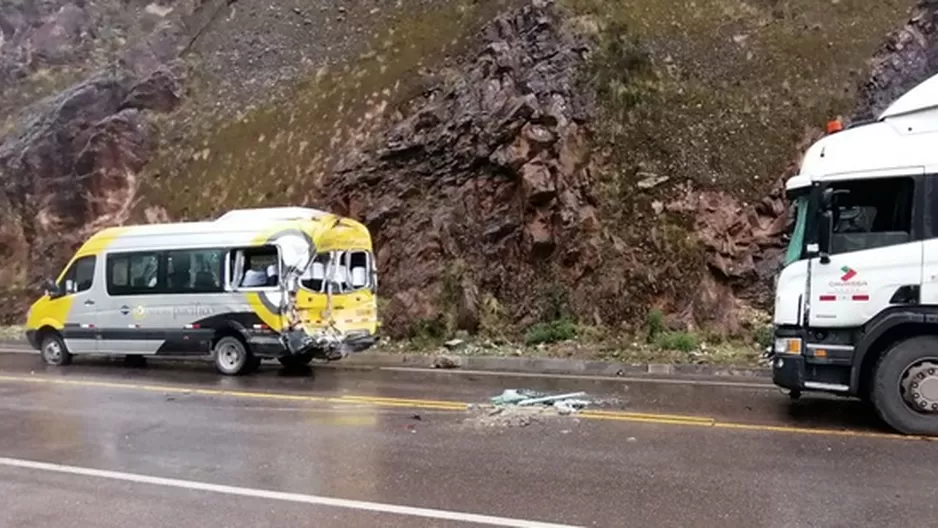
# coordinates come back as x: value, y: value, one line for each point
x: 54, y: 312
x: 269, y: 318
x: 355, y: 311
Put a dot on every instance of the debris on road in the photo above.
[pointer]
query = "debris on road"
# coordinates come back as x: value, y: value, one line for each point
x: 484, y: 416
x: 444, y: 362
x: 453, y: 344
x: 564, y: 403
x: 524, y: 407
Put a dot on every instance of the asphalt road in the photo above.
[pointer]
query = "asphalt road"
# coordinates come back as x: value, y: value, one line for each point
x: 173, y: 444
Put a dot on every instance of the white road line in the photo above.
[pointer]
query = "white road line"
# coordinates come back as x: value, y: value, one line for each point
x: 23, y: 350
x: 282, y: 496
x: 629, y: 379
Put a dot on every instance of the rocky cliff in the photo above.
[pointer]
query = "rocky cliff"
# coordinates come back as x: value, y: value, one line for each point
x: 516, y: 161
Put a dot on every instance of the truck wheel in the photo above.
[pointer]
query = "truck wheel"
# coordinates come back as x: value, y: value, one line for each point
x: 296, y: 361
x: 232, y: 357
x: 905, y: 386
x: 54, y: 351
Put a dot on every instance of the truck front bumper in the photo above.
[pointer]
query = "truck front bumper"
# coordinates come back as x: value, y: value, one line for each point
x: 788, y: 371
x: 801, y: 365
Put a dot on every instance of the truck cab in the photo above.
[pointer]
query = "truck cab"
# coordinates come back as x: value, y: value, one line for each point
x: 856, y: 302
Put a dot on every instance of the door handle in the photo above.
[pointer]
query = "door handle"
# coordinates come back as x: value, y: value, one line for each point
x: 89, y: 302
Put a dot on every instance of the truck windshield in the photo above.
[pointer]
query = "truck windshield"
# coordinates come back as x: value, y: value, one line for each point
x: 797, y: 235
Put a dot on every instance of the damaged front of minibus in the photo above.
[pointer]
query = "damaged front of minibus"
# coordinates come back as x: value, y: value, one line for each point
x: 329, y: 291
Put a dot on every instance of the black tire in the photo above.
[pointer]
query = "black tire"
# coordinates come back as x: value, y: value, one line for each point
x: 254, y: 365
x: 886, y: 394
x: 53, y: 350
x: 135, y: 361
x: 296, y: 361
x: 232, y: 357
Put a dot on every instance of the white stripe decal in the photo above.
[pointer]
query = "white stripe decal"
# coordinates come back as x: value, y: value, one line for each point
x: 279, y: 495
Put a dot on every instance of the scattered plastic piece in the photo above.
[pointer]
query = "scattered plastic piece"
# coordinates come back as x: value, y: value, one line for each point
x: 552, y: 399
x: 514, y: 396
x: 564, y: 403
x: 570, y: 406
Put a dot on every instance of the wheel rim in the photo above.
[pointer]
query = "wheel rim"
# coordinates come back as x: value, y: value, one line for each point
x: 53, y: 351
x: 229, y: 356
x: 919, y: 386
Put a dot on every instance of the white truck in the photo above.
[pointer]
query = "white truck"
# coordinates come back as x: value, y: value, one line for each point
x: 856, y: 303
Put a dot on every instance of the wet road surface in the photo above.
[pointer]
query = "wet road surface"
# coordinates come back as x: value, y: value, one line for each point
x: 175, y: 444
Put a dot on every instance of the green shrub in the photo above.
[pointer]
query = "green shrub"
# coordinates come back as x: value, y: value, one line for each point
x: 763, y: 336
x: 552, y: 332
x: 682, y: 341
x: 427, y: 332
x: 654, y: 323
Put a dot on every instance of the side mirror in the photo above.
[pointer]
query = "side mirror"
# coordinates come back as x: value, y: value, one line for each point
x: 52, y: 289
x: 825, y: 225
x: 827, y: 199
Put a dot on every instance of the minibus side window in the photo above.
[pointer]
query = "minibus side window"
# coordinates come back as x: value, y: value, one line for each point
x: 194, y: 271
x: 80, y: 276
x: 351, y: 271
x: 259, y: 267
x: 359, y: 272
x: 133, y: 273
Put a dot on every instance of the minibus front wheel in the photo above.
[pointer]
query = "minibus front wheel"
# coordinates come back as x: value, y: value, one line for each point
x: 53, y: 350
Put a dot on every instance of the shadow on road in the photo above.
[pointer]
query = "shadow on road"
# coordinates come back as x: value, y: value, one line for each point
x: 832, y: 413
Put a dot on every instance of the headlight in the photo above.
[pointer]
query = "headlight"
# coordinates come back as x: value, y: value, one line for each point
x: 788, y: 345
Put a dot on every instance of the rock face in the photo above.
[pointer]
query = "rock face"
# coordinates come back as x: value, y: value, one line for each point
x: 486, y: 173
x: 40, y: 34
x: 489, y: 193
x: 909, y: 56
x: 71, y: 164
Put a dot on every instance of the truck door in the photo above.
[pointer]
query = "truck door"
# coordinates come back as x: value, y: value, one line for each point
x: 876, y: 250
x: 78, y: 305
x: 929, y: 290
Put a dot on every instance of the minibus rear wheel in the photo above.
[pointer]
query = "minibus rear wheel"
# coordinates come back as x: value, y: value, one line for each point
x: 53, y: 350
x: 232, y: 357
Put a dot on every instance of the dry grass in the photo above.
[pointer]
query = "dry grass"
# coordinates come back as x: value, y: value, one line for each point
x: 12, y: 333
x: 736, y: 353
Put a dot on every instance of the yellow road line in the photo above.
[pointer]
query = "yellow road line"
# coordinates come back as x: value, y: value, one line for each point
x: 649, y: 418
x: 765, y: 428
x: 347, y: 400
x: 403, y: 400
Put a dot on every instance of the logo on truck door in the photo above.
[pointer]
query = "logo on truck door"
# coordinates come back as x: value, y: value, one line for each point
x: 849, y: 273
x: 848, y: 288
